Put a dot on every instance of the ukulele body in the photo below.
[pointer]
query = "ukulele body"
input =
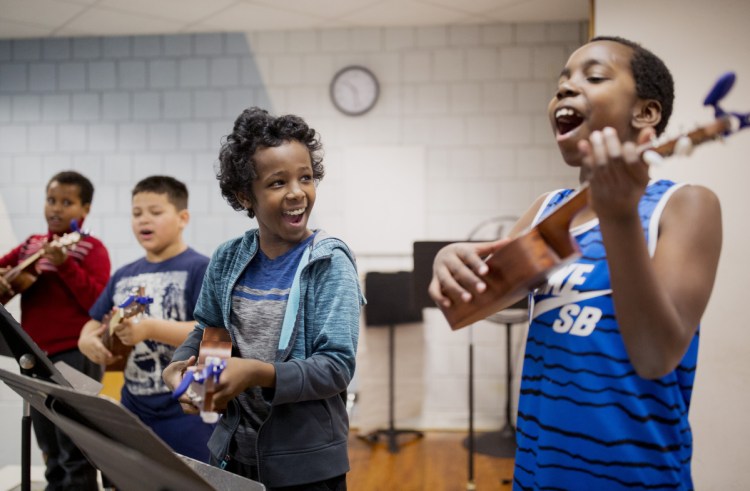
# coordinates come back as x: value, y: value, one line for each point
x: 113, y: 343
x: 523, y: 264
x: 24, y: 274
x: 518, y: 268
x: 133, y: 306
x: 20, y: 282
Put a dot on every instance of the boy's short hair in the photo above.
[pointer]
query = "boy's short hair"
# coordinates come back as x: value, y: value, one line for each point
x: 255, y: 129
x: 85, y: 188
x: 652, y: 77
x: 176, y: 191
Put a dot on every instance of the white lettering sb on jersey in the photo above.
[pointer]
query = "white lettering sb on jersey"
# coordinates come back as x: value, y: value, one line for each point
x: 573, y: 319
x: 576, y: 320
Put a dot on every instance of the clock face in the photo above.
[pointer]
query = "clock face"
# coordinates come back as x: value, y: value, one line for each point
x: 354, y: 90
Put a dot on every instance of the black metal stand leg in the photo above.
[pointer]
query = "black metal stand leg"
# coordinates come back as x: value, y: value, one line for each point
x: 391, y: 433
x: 508, y: 428
x: 26, y: 448
x: 392, y: 443
x: 501, y: 443
x: 470, y: 439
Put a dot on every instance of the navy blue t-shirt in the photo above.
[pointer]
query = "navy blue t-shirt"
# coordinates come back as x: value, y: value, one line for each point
x: 174, y: 285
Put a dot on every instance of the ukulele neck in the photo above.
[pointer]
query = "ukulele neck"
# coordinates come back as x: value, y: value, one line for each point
x: 562, y: 217
x: 11, y: 273
x: 712, y: 131
x: 555, y: 226
x: 66, y: 240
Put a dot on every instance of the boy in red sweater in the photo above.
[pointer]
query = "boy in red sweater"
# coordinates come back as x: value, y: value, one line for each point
x: 55, y: 306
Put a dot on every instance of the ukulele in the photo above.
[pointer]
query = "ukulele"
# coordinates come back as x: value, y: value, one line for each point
x: 200, y: 379
x: 134, y: 305
x: 529, y: 260
x: 24, y: 274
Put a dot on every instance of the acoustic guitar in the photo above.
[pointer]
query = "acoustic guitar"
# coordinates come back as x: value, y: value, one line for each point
x: 527, y: 261
x: 24, y: 274
x: 200, y: 379
x: 134, y: 305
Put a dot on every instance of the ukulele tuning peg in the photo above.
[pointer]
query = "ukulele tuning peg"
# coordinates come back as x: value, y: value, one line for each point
x: 720, y: 89
x: 652, y: 158
x: 736, y: 123
x: 683, y: 146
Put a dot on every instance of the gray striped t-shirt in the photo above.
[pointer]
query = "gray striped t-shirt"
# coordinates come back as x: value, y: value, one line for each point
x: 258, y: 306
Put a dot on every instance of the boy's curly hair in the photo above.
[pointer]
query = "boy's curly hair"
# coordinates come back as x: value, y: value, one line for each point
x: 255, y: 129
x: 653, y: 79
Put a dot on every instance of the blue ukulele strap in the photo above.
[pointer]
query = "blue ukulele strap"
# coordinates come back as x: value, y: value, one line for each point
x: 292, y: 304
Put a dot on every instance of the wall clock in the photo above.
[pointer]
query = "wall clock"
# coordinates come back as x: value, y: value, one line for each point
x: 354, y: 90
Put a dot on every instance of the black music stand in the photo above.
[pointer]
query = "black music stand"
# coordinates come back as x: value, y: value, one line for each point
x: 390, y: 302
x: 497, y: 444
x: 33, y: 362
x: 502, y: 443
x: 119, y: 444
x: 424, y: 253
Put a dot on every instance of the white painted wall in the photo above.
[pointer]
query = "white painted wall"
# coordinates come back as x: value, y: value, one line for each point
x: 699, y: 40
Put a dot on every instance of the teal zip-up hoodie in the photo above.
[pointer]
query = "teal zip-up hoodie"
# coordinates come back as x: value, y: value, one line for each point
x: 304, y: 438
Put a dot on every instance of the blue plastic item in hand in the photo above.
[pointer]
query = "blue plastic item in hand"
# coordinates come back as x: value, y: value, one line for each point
x: 199, y: 383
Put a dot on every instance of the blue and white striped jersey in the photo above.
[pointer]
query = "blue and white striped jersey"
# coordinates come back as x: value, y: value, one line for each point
x: 586, y: 420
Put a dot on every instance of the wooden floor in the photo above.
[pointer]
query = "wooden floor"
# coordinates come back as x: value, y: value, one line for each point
x: 439, y: 461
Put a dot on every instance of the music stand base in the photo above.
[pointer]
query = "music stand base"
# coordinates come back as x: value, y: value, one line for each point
x: 501, y: 443
x: 26, y: 448
x: 391, y: 436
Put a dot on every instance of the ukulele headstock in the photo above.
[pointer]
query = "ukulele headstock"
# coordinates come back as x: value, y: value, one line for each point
x: 71, y: 238
x: 720, y: 89
x: 725, y: 124
x: 136, y: 303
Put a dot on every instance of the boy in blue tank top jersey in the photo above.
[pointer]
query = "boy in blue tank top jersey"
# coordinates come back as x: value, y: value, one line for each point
x: 612, y: 345
x: 290, y: 299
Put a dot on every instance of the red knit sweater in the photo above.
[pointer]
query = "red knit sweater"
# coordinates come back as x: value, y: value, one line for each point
x: 55, y: 307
